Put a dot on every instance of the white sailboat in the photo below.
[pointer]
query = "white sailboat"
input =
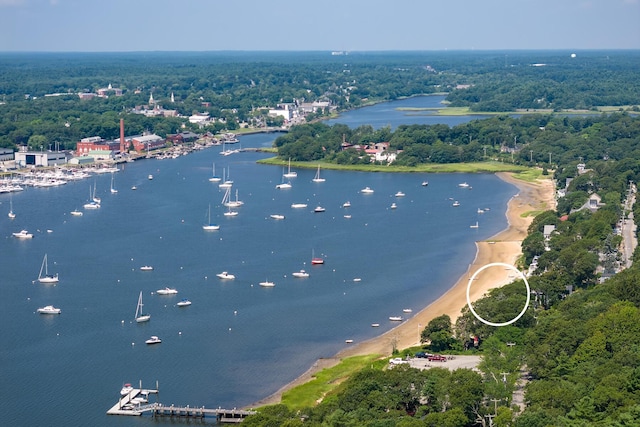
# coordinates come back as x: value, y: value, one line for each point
x: 93, y: 204
x: 226, y: 182
x: 94, y: 197
x: 209, y: 226
x: 11, y: 214
x: 290, y: 174
x: 214, y: 177
x: 140, y: 316
x: 317, y: 177
x: 225, y: 202
x: 44, y: 276
x: 113, y: 189
x: 234, y: 203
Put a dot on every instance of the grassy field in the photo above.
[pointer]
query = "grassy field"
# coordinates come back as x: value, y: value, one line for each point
x: 478, y: 167
x: 327, y: 380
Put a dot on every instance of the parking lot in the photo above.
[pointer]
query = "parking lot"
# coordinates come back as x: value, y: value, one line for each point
x: 451, y: 362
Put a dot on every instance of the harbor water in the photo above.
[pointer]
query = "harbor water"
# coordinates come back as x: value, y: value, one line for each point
x: 238, y: 342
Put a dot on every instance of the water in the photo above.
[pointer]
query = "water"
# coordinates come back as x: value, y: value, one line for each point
x: 238, y: 342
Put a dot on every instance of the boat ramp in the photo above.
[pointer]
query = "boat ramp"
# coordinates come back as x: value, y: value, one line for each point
x: 135, y: 403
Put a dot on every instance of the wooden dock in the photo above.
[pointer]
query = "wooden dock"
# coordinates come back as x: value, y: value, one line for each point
x: 133, y: 404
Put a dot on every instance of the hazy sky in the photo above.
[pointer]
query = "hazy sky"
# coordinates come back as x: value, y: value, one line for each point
x: 143, y: 25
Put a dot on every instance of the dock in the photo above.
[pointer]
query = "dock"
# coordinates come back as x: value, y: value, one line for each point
x: 135, y: 403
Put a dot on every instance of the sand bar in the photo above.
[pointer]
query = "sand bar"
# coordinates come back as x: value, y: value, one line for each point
x: 504, y: 247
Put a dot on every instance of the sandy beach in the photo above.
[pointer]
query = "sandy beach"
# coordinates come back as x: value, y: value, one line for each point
x: 504, y: 247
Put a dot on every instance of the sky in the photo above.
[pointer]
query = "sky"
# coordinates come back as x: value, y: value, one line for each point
x: 320, y: 25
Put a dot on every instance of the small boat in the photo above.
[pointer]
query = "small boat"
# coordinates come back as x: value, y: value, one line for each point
x: 425, y: 183
x: 225, y: 275
x: 226, y: 182
x: 153, y: 340
x: 44, y: 276
x: 317, y: 177
x: 234, y: 203
x: 400, y: 194
x: 316, y: 260
x: 166, y: 291
x: 92, y: 205
x: 214, y: 177
x: 456, y: 204
x: 395, y: 318
x: 463, y: 185
x: 230, y: 213
x: 146, y: 268
x: 134, y: 187
x: 480, y: 211
x: 126, y: 389
x: 375, y: 325
x: 150, y: 177
x: 357, y: 279
x: 319, y: 209
x: 300, y: 273
x: 11, y: 214
x: 49, y: 309
x: 347, y: 216
x: 346, y: 204
x: 267, y: 284
x: 276, y: 216
x: 393, y: 206
x: 23, y: 234
x: 348, y: 341
x: 290, y: 174
x: 76, y: 213
x: 210, y: 225
x: 298, y: 205
x: 366, y: 190
x: 474, y: 225
x: 184, y: 303
x: 283, y: 185
x: 406, y: 310
x: 112, y: 188
x: 140, y: 316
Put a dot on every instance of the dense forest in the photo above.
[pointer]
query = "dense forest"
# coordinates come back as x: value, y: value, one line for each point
x: 239, y: 87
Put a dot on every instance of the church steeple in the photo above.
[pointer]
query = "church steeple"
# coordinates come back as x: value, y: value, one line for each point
x: 172, y: 98
x: 151, y: 101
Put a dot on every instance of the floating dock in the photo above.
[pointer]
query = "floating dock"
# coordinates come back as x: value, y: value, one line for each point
x: 135, y: 403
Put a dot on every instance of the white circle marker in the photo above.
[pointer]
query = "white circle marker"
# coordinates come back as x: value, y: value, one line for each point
x: 510, y: 267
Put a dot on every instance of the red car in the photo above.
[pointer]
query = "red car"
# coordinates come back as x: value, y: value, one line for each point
x: 436, y: 358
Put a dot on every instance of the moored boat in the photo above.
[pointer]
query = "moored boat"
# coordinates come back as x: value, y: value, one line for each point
x: 166, y: 291
x: 226, y: 275
x: 49, y: 309
x: 153, y: 340
x: 300, y: 273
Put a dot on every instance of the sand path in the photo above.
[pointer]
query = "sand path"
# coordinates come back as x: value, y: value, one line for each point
x: 503, y: 247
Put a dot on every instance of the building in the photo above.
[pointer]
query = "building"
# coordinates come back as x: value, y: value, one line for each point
x: 25, y: 158
x: 95, y: 143
x: 182, y: 137
x: 144, y: 143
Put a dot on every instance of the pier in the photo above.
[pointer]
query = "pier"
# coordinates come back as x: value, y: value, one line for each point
x: 135, y: 403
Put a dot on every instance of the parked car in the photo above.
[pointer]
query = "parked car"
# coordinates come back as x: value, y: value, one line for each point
x: 422, y: 355
x: 437, y: 358
x: 397, y: 361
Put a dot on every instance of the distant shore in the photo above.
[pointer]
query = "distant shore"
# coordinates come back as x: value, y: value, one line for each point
x: 504, y: 247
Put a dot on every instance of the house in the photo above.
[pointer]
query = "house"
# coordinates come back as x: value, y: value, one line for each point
x: 547, y: 230
x: 182, y: 137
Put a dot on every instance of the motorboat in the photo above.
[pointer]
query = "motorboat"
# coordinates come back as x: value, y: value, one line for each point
x: 400, y: 194
x: 406, y: 310
x: 463, y: 185
x: 347, y: 216
x: 480, y: 211
x: 298, y: 205
x: 184, y: 303
x: 319, y: 209
x: 300, y: 273
x: 455, y: 204
x: 348, y: 341
x: 140, y: 316
x: 425, y: 183
x: 366, y: 190
x: 153, y: 340
x: 146, y: 268
x: 357, y: 279
x: 393, y: 206
x: 276, y: 216
x: 395, y: 318
x: 49, y: 309
x: 134, y: 187
x: 230, y: 213
x: 126, y: 389
x: 346, y: 204
x: 23, y: 234
x: 375, y: 325
x: 150, y: 177
x: 44, y: 276
x: 76, y: 213
x: 267, y: 284
x: 474, y: 225
x: 166, y: 291
x: 283, y: 185
x: 225, y: 275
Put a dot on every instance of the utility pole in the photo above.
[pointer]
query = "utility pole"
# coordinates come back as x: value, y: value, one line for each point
x: 549, y: 159
x: 485, y: 152
x: 531, y: 156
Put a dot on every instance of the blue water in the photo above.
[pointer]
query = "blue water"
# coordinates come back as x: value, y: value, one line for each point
x: 238, y: 342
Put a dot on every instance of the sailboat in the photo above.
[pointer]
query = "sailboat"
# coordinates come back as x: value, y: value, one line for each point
x: 44, y: 276
x: 234, y: 203
x: 209, y: 226
x: 113, y: 189
x: 11, y: 214
x: 290, y: 174
x: 140, y: 317
x: 214, y: 177
x: 226, y: 202
x: 94, y: 198
x: 317, y: 177
x: 316, y: 260
x: 226, y: 182
x: 283, y: 184
x: 93, y: 204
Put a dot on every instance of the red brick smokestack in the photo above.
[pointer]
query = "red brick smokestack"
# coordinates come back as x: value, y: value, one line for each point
x: 122, y: 142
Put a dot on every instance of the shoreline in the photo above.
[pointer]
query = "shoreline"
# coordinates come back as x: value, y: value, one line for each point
x: 503, y: 247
